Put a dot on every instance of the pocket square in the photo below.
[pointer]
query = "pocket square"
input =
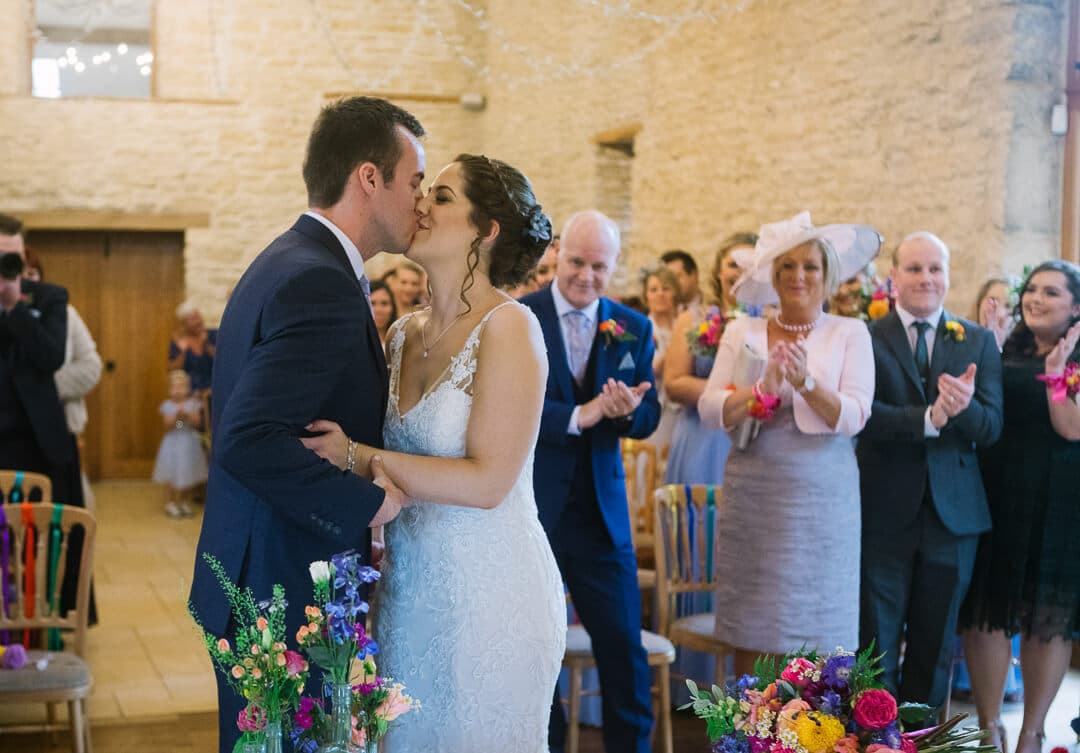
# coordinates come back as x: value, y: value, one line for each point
x: 627, y: 362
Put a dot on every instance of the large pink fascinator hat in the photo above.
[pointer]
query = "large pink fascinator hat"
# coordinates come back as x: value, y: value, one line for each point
x: 855, y: 245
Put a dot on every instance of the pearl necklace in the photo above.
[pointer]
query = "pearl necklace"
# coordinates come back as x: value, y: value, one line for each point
x: 796, y: 327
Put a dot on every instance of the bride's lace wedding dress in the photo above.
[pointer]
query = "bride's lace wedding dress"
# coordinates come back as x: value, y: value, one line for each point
x: 471, y: 613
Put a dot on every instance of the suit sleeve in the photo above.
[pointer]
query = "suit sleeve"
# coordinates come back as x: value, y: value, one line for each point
x: 554, y: 420
x: 982, y: 422
x: 643, y: 421
x: 285, y: 385
x: 43, y: 339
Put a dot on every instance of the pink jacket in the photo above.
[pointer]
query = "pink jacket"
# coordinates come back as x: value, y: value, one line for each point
x: 839, y: 356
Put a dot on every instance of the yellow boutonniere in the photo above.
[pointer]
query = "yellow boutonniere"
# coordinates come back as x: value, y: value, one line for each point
x: 954, y: 331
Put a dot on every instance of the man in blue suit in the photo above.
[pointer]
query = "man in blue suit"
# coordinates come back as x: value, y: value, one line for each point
x: 599, y: 390
x: 298, y: 342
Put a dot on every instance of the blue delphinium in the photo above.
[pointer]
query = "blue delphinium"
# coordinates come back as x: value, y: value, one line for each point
x: 837, y: 671
x: 888, y: 736
x: 734, y: 742
x: 744, y: 683
x: 830, y: 703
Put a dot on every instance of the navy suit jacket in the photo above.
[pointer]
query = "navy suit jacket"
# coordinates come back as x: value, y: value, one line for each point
x: 297, y: 343
x: 897, y: 460
x: 33, y: 337
x: 556, y: 450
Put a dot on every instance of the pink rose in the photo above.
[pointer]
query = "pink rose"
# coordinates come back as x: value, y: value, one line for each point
x: 799, y: 672
x: 874, y: 709
x: 251, y: 719
x: 909, y: 747
x: 394, y: 705
x: 261, y: 624
x: 223, y: 646
x: 294, y: 663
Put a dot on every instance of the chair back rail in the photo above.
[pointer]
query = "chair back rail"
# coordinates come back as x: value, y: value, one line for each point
x: 641, y: 466
x: 684, y: 531
x: 36, y: 487
x: 31, y: 525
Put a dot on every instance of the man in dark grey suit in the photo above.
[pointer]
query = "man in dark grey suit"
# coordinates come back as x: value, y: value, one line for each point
x: 937, y: 397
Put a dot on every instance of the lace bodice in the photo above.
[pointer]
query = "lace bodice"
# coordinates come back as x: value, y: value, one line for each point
x: 471, y: 614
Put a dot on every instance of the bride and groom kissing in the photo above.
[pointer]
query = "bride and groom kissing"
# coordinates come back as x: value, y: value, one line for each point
x: 320, y: 437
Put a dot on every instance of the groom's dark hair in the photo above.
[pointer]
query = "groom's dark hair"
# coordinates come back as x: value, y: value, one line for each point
x: 348, y: 133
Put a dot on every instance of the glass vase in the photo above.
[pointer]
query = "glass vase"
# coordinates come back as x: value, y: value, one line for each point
x: 273, y: 737
x: 340, y: 719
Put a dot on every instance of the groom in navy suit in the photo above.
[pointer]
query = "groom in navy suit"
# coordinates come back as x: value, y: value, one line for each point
x: 298, y: 342
x: 599, y: 390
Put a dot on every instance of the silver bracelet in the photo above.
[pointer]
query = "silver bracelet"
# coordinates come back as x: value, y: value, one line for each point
x: 350, y: 455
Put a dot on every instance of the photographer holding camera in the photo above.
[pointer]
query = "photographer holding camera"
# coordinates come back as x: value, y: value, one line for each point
x: 33, y: 331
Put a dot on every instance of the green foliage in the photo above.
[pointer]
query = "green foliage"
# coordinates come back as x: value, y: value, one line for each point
x: 866, y: 670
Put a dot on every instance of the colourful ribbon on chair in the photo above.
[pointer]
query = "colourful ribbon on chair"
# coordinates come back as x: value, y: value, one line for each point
x: 16, y: 489
x: 7, y: 594
x: 53, y: 642
x: 30, y: 572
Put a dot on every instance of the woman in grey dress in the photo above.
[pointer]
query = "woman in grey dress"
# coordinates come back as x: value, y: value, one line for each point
x: 788, y: 529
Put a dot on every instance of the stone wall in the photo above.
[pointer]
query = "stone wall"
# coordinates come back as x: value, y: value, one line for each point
x: 932, y: 114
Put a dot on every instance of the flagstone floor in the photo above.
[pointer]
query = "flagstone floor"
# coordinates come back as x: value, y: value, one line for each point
x: 153, y: 683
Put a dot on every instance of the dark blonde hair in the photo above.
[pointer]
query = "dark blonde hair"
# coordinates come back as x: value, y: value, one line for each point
x: 727, y: 245
x: 667, y: 279
x: 830, y: 264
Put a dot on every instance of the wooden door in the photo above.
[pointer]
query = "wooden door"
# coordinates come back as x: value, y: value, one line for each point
x: 126, y: 286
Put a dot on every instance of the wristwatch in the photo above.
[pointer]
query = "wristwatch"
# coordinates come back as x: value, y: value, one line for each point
x: 808, y: 385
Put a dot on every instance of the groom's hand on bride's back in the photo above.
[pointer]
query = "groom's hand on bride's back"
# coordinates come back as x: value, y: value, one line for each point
x: 395, y: 498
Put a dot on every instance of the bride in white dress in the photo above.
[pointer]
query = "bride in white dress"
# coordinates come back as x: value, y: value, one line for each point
x: 471, y: 613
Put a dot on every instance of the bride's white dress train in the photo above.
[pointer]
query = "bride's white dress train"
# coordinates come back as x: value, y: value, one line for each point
x: 471, y: 613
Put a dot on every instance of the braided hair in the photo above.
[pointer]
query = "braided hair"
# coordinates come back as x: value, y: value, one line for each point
x: 501, y: 193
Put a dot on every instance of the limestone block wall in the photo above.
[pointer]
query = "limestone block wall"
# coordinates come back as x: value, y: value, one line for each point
x: 237, y: 96
x: 932, y: 114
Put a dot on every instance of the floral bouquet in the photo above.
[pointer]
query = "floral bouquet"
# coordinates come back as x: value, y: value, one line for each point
x: 259, y: 666
x: 704, y: 339
x: 807, y: 703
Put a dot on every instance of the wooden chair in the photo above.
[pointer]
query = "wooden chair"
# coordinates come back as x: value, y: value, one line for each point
x: 66, y: 677
x: 640, y: 462
x: 578, y: 658
x: 35, y: 487
x: 684, y: 552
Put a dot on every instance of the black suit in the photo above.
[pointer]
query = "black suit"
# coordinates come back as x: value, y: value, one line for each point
x: 923, y: 502
x: 32, y: 340
x: 297, y: 343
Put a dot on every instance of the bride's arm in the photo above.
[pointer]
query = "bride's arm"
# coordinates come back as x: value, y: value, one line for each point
x: 508, y: 396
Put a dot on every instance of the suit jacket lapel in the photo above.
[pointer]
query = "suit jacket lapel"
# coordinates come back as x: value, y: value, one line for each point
x: 939, y: 359
x: 549, y: 325
x: 604, y: 355
x: 321, y: 234
x: 892, y: 330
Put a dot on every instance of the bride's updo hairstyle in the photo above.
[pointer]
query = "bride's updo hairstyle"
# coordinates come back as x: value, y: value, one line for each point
x: 501, y: 193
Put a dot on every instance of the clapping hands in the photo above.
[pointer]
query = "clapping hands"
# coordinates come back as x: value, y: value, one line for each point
x: 1059, y: 354
x: 787, y: 362
x: 618, y: 399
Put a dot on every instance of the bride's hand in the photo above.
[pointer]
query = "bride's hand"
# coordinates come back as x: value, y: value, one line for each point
x: 331, y: 444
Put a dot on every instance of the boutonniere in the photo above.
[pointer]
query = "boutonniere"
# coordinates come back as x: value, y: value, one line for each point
x: 27, y: 298
x: 954, y: 331
x: 615, y: 332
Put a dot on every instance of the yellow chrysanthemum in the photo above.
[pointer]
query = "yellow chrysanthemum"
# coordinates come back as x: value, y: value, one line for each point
x: 818, y: 732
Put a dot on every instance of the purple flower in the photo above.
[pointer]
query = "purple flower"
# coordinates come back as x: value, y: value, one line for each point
x: 744, y: 683
x: 14, y: 657
x: 889, y: 736
x: 830, y: 703
x: 837, y: 671
x: 303, y: 718
x: 734, y: 742
x: 759, y: 744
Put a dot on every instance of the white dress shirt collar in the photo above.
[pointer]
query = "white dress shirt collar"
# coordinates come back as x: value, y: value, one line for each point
x: 563, y: 306
x: 907, y: 318
x: 352, y: 253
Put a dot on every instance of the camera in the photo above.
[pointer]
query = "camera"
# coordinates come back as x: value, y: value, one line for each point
x: 11, y: 265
